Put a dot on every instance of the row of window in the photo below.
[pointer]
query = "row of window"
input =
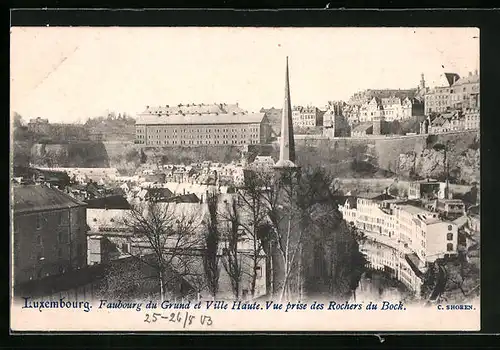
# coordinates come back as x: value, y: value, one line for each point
x: 41, y: 219
x: 208, y: 142
x: 196, y: 131
x: 253, y: 136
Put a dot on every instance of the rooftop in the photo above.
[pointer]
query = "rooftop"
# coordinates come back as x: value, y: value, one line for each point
x: 471, y: 79
x: 109, y: 202
x: 111, y: 220
x: 41, y: 198
x: 413, y: 209
x: 377, y: 196
x: 363, y: 127
x: 202, y: 119
x: 193, y: 108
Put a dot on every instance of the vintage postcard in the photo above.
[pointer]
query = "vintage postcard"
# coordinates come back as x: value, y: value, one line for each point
x: 245, y: 179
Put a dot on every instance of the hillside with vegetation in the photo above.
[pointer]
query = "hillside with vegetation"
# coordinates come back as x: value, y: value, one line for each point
x: 114, y: 127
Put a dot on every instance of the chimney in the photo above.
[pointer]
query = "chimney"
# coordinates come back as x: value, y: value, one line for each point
x: 470, y: 74
x: 476, y: 72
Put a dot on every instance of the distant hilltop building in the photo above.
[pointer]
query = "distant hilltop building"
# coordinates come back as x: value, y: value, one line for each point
x: 307, y: 117
x: 366, y: 96
x: 39, y: 125
x: 57, y: 132
x: 196, y: 125
x: 193, y: 108
x: 389, y: 104
x: 390, y: 108
x: 453, y: 92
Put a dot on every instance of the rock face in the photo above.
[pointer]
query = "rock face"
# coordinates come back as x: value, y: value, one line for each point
x: 463, y: 167
x: 346, y: 157
x: 81, y: 154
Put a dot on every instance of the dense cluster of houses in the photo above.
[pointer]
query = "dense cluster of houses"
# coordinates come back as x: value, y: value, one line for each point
x: 404, y: 236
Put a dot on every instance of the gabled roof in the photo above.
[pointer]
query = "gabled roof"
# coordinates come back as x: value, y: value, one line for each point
x: 438, y: 121
x: 363, y: 127
x: 451, y: 78
x: 30, y: 198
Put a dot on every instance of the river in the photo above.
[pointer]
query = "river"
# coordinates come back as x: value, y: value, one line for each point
x: 377, y: 286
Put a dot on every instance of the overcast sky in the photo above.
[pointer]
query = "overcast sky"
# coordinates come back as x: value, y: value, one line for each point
x: 70, y: 74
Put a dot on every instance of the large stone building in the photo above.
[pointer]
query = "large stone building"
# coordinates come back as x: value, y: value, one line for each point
x: 49, y: 233
x: 236, y: 128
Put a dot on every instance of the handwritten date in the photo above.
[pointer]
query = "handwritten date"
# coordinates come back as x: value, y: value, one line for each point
x: 179, y: 317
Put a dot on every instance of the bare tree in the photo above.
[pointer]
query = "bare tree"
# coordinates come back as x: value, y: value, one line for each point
x: 253, y: 213
x: 212, y: 239
x: 168, y: 235
x: 303, y: 203
x: 283, y: 215
x: 231, y: 257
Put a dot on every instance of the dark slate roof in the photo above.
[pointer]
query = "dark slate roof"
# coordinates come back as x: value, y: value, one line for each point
x: 185, y: 198
x: 353, y: 203
x: 41, y: 198
x: 109, y: 202
x: 379, y: 197
x: 451, y: 78
x: 159, y: 193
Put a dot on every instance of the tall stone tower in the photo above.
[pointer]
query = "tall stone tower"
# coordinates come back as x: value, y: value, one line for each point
x: 287, y: 175
x: 422, y: 82
x: 287, y: 142
x: 379, y: 121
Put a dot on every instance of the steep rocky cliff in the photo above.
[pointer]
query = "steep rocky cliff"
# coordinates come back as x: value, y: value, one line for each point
x: 404, y: 157
x: 463, y: 160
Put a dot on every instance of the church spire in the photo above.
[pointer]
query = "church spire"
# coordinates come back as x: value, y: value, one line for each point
x: 287, y: 143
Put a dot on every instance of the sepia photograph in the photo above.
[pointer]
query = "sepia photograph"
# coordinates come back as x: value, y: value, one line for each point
x: 245, y: 179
